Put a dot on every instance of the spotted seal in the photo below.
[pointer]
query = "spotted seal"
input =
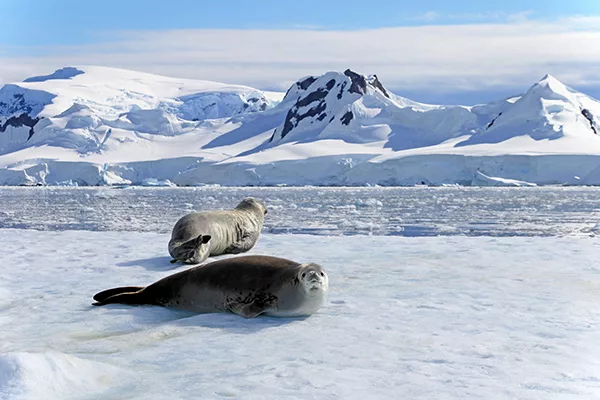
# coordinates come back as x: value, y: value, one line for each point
x: 245, y: 285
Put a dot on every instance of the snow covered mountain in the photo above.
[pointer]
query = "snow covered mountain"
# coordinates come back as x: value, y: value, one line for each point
x: 96, y: 125
x: 79, y: 108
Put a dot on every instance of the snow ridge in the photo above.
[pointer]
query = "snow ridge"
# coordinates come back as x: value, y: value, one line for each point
x: 96, y: 125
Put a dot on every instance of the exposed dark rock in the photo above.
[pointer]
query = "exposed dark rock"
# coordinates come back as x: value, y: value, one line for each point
x: 302, y: 85
x: 588, y: 115
x: 18, y: 105
x: 273, y: 135
x: 288, y: 125
x: 359, y: 83
x: 293, y: 118
x: 22, y: 120
x: 314, y: 96
x: 306, y: 83
x: 356, y: 84
x: 346, y: 118
x: 376, y: 83
x: 314, y: 111
x: 492, y: 121
x: 339, y: 95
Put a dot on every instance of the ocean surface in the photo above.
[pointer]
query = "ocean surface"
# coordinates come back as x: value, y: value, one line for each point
x: 415, y: 211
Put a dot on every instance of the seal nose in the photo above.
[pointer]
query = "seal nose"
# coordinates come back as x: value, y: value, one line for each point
x: 313, y: 276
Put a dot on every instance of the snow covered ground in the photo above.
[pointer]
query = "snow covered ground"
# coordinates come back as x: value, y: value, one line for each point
x: 502, y: 304
x: 412, y: 318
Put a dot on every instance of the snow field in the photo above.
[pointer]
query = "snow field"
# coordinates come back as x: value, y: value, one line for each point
x: 419, y: 318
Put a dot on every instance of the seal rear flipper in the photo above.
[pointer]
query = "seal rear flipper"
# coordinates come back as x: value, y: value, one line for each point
x: 130, y: 298
x: 188, y: 250
x: 103, y: 295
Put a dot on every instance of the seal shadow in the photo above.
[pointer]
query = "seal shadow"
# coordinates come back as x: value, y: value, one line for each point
x: 152, y: 316
x: 236, y: 324
x: 153, y: 263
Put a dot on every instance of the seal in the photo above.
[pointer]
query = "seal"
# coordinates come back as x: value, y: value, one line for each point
x: 247, y: 285
x: 199, y: 235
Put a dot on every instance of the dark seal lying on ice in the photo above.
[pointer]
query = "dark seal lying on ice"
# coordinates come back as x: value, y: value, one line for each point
x: 246, y: 285
x: 199, y: 235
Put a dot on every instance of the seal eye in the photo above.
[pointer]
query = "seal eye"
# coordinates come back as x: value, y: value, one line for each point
x: 322, y: 274
x: 304, y: 274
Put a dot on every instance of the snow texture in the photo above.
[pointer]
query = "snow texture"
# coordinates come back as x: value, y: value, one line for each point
x: 450, y: 318
x: 104, y: 126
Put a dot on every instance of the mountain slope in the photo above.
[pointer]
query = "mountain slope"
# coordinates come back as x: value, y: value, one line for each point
x: 548, y: 110
x: 78, y: 107
x: 95, y: 125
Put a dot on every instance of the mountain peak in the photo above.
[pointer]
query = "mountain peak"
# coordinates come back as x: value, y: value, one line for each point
x: 549, y: 88
x: 549, y: 79
x: 319, y: 101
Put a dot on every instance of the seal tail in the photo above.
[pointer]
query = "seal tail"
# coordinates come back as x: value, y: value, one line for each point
x: 105, y: 294
x: 188, y: 249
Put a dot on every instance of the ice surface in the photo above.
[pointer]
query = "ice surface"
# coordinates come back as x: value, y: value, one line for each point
x: 414, y: 318
x: 416, y: 211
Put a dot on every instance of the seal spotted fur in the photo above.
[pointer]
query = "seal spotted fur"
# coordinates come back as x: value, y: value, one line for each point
x: 246, y: 285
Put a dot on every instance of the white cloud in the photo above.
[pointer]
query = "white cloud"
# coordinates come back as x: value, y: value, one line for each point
x: 429, y: 16
x: 461, y: 18
x: 434, y: 57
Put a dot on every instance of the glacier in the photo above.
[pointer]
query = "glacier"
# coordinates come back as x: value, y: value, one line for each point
x: 88, y: 125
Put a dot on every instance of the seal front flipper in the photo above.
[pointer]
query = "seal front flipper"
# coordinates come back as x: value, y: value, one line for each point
x: 105, y: 294
x: 246, y: 243
x: 246, y: 310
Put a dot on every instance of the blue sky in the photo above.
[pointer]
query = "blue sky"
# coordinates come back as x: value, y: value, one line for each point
x: 44, y: 22
x: 41, y: 35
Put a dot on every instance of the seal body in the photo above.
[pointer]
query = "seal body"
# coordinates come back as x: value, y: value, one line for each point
x: 246, y: 285
x: 199, y: 235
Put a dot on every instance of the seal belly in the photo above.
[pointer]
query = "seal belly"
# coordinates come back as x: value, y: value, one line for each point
x: 294, y: 304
